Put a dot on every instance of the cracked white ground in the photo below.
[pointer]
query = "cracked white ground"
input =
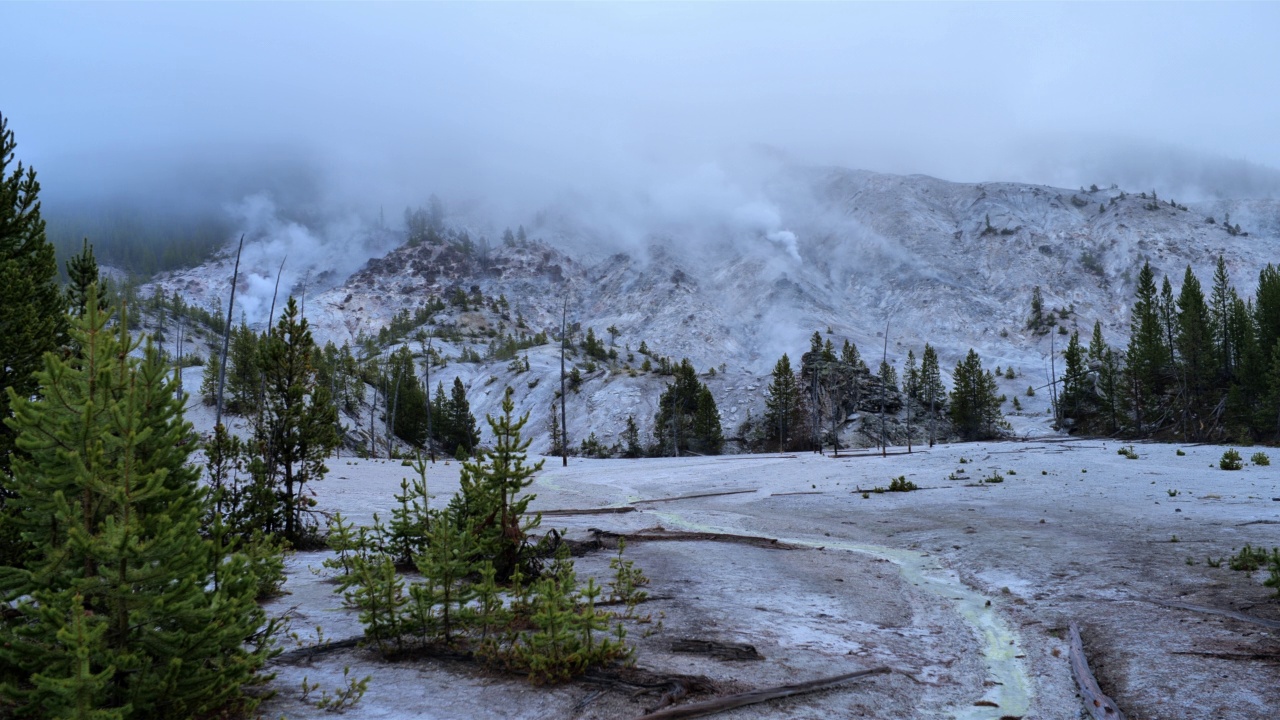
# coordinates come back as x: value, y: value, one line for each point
x: 966, y: 586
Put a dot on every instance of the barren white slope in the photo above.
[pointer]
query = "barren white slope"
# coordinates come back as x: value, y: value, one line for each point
x: 912, y: 252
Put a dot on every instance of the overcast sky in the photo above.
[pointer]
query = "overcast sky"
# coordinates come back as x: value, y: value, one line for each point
x: 400, y: 100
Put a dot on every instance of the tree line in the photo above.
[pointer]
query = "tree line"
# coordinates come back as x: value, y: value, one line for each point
x: 1196, y: 367
x: 808, y: 409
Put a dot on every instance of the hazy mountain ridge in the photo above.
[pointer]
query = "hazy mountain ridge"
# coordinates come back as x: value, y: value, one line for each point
x: 951, y: 264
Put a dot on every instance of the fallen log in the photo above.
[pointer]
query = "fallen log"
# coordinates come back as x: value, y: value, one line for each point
x: 311, y: 651
x: 719, y: 650
x: 753, y: 697
x: 658, y: 535
x: 586, y: 511
x: 1264, y: 622
x: 1252, y: 656
x: 692, y: 497
x: 1100, y: 706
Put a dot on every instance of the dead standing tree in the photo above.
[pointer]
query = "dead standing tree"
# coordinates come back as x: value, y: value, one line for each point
x: 884, y: 390
x: 564, y: 431
x: 226, y: 336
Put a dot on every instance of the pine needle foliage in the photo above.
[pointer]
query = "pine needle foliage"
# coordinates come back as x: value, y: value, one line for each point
x: 482, y: 588
x: 116, y: 612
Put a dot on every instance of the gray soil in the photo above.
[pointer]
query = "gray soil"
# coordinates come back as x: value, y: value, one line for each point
x: 965, y: 589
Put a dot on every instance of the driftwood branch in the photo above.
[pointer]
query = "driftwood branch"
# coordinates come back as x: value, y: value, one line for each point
x: 1264, y: 622
x: 691, y: 497
x: 719, y: 705
x: 659, y: 534
x: 306, y: 653
x: 716, y: 649
x: 1100, y: 706
x: 586, y: 511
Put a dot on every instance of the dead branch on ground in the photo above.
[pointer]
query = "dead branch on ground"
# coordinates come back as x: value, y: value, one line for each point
x: 1100, y: 706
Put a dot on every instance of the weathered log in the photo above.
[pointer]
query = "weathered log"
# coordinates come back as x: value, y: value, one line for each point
x: 720, y: 650
x: 311, y: 651
x: 586, y: 511
x: 659, y: 535
x: 1100, y: 706
x: 730, y: 702
x: 1264, y: 622
x: 692, y: 497
x: 1251, y: 656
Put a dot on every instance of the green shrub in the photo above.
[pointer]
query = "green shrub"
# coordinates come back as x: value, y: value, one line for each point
x: 1180, y: 452
x: 1250, y: 559
x: 901, y: 484
x: 1128, y: 452
x: 995, y: 477
x: 1231, y: 460
x: 1260, y: 458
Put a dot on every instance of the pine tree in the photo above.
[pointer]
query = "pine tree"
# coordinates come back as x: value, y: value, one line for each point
x: 631, y: 439
x: 1111, y: 378
x: 298, y: 429
x: 1075, y: 381
x: 209, y: 380
x: 975, y: 406
x: 1272, y: 406
x: 244, y: 372
x: 1196, y: 353
x: 553, y: 429
x: 888, y: 375
x: 911, y: 376
x: 1266, y: 308
x: 491, y: 487
x: 82, y: 271
x: 1248, y: 361
x: 1097, y: 345
x: 1035, y: 321
x: 707, y: 434
x: 932, y: 392
x: 687, y: 418
x: 409, y: 407
x: 1221, y: 298
x: 911, y: 386
x: 32, y: 321
x: 1147, y: 355
x: 462, y: 423
x: 783, y: 413
x: 849, y: 356
x: 442, y: 417
x: 116, y: 611
x: 1169, y: 324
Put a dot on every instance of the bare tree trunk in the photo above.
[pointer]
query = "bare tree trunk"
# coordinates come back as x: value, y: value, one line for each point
x: 933, y: 416
x: 1053, y: 382
x: 431, y: 449
x: 907, y: 400
x: 391, y: 424
x: 564, y: 431
x: 813, y: 398
x: 275, y: 293
x: 226, y: 337
x: 177, y: 369
x: 373, y: 410
x: 884, y: 389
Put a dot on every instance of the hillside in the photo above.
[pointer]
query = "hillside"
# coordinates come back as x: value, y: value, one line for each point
x: 839, y: 251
